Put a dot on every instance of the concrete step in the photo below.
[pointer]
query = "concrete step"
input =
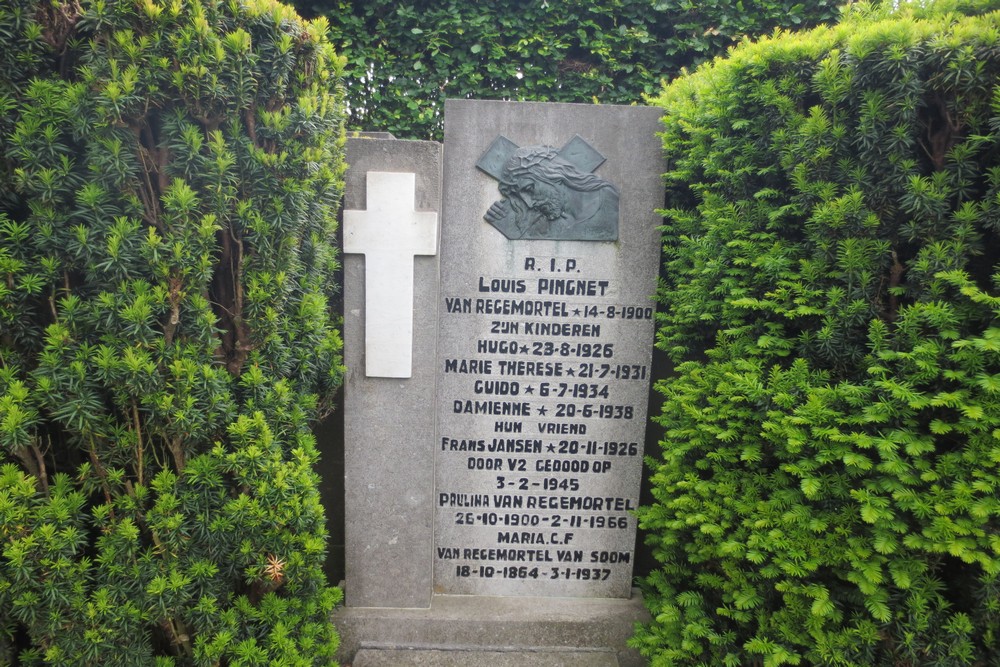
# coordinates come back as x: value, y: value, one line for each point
x: 482, y: 657
x: 590, y: 628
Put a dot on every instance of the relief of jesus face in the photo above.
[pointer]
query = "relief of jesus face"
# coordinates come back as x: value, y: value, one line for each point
x: 538, y: 195
x: 545, y: 196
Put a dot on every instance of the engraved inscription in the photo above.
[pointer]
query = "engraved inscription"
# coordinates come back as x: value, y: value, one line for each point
x: 541, y: 431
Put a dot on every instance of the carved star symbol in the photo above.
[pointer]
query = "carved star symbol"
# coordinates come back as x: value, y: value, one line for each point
x: 570, y: 372
x: 542, y: 410
x: 529, y: 389
x: 551, y: 447
x: 576, y: 311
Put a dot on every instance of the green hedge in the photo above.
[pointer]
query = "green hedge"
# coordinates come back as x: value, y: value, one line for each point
x: 169, y: 176
x: 828, y: 491
x: 405, y: 57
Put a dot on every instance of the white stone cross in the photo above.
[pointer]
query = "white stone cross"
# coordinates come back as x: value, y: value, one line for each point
x: 389, y: 233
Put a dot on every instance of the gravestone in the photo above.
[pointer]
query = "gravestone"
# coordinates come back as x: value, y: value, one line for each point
x: 389, y: 474
x: 504, y: 532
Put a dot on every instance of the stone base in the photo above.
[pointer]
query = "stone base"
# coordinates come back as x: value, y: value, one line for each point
x: 495, y: 631
x: 368, y: 657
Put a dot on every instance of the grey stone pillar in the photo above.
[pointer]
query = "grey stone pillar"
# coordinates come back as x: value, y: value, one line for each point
x: 389, y: 422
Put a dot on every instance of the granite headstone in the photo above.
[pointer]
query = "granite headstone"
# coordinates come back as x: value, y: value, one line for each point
x: 544, y: 347
x: 490, y: 488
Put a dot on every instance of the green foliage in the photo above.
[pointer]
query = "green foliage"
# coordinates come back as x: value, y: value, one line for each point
x: 829, y: 486
x: 169, y: 177
x: 405, y: 58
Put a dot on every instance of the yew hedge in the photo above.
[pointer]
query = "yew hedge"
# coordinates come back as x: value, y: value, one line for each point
x: 405, y: 57
x: 828, y: 491
x: 169, y: 176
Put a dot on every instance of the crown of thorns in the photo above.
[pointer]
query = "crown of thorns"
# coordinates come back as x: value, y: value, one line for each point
x: 577, y: 152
